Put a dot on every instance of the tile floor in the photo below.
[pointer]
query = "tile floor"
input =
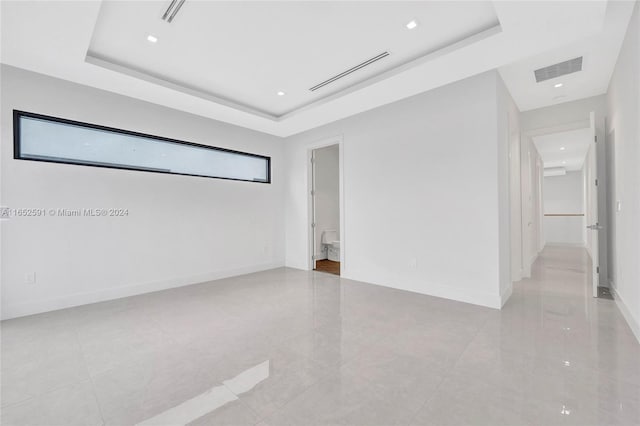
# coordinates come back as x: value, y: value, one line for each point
x: 288, y: 347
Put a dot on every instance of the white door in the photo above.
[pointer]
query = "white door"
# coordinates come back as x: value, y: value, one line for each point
x: 592, y: 206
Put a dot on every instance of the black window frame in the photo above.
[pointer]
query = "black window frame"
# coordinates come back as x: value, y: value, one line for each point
x: 17, y: 154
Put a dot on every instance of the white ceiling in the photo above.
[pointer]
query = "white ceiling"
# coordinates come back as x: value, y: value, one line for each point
x: 599, y: 53
x: 575, y: 144
x: 226, y: 60
x: 229, y: 49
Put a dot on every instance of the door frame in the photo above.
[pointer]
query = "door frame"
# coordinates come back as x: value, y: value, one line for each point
x: 611, y: 202
x: 593, y: 218
x: 323, y: 143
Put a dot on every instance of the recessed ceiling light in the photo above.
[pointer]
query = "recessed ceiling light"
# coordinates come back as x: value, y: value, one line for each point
x: 412, y: 24
x: 557, y: 85
x: 152, y: 38
x: 562, y: 148
x: 564, y: 162
x: 281, y: 93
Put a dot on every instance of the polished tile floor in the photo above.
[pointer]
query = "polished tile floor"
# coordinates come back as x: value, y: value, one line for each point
x: 288, y: 347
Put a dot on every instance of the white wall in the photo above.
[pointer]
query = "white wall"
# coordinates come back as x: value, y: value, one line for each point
x: 624, y: 117
x: 421, y: 193
x: 531, y: 170
x: 327, y: 194
x: 564, y: 195
x: 180, y: 229
x: 509, y: 189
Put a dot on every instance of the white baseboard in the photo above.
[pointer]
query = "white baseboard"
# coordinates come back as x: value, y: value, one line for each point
x: 506, y: 294
x: 526, y: 270
x: 517, y: 276
x: 626, y: 313
x: 39, y: 306
x: 436, y: 290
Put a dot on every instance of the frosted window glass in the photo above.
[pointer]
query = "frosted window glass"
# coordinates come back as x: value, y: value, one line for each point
x: 54, y: 140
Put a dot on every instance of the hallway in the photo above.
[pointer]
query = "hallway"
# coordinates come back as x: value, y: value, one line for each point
x: 290, y: 347
x: 553, y: 355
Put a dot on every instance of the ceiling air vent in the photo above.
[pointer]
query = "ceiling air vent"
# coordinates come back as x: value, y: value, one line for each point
x: 172, y: 10
x: 349, y: 71
x: 561, y: 68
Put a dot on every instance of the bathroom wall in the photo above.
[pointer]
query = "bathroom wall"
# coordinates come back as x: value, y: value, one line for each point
x: 327, y: 194
x: 564, y: 195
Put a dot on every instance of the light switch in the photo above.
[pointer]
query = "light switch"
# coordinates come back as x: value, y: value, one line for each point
x: 618, y: 206
x: 30, y: 278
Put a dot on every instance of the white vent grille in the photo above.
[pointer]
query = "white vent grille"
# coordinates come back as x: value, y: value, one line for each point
x: 559, y: 69
x: 172, y: 10
x: 350, y: 70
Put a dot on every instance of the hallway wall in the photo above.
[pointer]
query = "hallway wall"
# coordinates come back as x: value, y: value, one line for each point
x: 531, y: 192
x: 623, y: 99
x: 564, y: 195
x: 509, y: 188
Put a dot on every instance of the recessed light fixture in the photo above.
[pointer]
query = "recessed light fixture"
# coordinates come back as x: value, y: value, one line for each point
x: 562, y: 148
x: 564, y: 162
x: 557, y: 85
x: 412, y: 24
x: 281, y: 93
x: 152, y: 38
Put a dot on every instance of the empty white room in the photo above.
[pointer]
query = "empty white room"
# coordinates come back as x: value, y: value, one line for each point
x: 293, y: 213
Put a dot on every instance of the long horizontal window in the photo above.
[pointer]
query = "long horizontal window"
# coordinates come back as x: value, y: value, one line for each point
x: 42, y: 138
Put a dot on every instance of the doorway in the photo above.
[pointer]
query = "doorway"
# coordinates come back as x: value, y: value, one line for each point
x: 325, y: 205
x: 572, y: 201
x: 565, y: 157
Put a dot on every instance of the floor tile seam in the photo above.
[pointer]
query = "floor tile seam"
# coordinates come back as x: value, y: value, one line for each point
x: 306, y: 390
x: 240, y: 401
x: 429, y: 399
x: 60, y: 386
x: 448, y: 372
x: 38, y: 397
x: 22, y: 401
x: 91, y: 381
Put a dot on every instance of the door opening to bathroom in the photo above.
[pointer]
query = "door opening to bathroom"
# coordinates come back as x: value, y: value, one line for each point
x: 325, y: 196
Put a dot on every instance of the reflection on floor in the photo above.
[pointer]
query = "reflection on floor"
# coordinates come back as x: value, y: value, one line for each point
x: 291, y: 347
x: 328, y: 266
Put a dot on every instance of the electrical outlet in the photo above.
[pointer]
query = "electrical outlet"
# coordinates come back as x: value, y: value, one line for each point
x: 30, y: 278
x: 413, y: 263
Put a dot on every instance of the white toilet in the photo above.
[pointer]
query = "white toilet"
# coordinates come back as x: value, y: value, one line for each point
x: 331, y: 243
